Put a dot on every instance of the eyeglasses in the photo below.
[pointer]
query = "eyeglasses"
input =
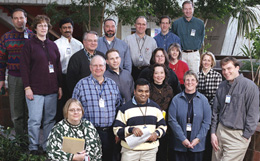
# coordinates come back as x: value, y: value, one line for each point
x: 75, y: 110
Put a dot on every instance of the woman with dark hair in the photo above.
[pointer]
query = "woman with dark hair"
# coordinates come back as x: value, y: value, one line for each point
x: 162, y: 93
x: 74, y: 127
x: 41, y: 75
x: 177, y: 65
x: 160, y: 56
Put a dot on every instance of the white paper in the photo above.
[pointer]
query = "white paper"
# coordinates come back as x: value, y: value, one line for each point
x: 133, y: 140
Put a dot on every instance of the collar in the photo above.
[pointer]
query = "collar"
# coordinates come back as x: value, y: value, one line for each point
x: 64, y: 38
x: 185, y: 20
x: 96, y: 81
x: 89, y: 55
x: 73, y: 126
x: 165, y: 35
x: 183, y: 94
x: 111, y: 71
x: 138, y: 37
x: 237, y: 79
x: 105, y: 40
x: 135, y: 103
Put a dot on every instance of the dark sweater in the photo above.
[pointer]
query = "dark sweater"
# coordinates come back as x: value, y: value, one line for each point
x: 34, y: 66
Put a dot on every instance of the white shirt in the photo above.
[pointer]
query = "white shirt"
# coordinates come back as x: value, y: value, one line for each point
x: 67, y: 49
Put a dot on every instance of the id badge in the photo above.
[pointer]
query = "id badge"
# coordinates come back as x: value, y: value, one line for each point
x: 228, y: 98
x: 101, y: 103
x: 68, y: 51
x: 25, y: 35
x: 51, y: 68
x: 188, y: 127
x: 193, y: 32
x: 141, y: 58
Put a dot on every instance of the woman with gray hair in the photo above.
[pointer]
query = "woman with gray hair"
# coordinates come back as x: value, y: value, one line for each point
x: 189, y: 119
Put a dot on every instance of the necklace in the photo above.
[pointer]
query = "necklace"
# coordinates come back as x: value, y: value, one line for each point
x: 159, y: 90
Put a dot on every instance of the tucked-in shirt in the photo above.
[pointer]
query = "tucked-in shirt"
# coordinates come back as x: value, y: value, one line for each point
x: 141, y: 47
x: 208, y: 84
x: 89, y: 92
x: 67, y: 49
x: 242, y: 113
x: 180, y: 68
x: 124, y: 81
x: 11, y: 45
x: 190, y: 32
x: 121, y: 46
x: 164, y: 41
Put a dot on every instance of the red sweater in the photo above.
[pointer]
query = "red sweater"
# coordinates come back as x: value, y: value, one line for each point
x: 179, y: 68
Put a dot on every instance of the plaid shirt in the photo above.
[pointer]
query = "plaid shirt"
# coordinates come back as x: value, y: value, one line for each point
x: 208, y: 84
x: 88, y: 92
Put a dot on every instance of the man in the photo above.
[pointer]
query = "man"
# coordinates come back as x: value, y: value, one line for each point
x: 191, y: 32
x: 235, y: 113
x: 165, y: 38
x: 11, y: 45
x: 67, y: 46
x: 78, y: 67
x: 109, y: 41
x: 122, y: 77
x: 100, y: 98
x: 134, y: 117
x: 141, y: 47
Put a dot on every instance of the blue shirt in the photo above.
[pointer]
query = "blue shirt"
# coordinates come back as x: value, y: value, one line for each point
x: 164, y: 41
x: 88, y: 91
x: 121, y: 46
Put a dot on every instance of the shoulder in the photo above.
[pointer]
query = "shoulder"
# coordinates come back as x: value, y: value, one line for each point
x: 177, y: 21
x: 197, y: 20
x: 129, y: 37
x: 76, y: 41
x: 153, y: 104
x: 101, y: 54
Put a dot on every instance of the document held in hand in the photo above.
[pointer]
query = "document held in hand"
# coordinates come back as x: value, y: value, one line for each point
x: 132, y: 140
x: 72, y: 145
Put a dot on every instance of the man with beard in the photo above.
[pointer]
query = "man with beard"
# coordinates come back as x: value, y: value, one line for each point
x: 109, y: 41
x: 67, y: 46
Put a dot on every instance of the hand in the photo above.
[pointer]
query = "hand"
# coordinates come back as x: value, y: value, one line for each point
x: 29, y: 93
x: 137, y: 132
x: 59, y: 93
x: 194, y: 142
x: 117, y: 139
x: 79, y: 156
x: 2, y: 84
x: 153, y: 137
x: 186, y: 143
x: 214, y: 142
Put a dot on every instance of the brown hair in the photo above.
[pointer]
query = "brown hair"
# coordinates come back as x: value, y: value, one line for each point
x: 174, y: 45
x: 187, y: 2
x: 39, y: 19
x: 166, y: 71
x: 67, y: 105
x: 110, y: 51
x: 229, y: 59
x: 212, y: 58
x: 191, y: 73
x: 152, y: 60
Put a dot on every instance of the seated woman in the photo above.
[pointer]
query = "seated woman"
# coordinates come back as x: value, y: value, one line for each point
x: 72, y: 126
x: 177, y: 65
x: 189, y: 120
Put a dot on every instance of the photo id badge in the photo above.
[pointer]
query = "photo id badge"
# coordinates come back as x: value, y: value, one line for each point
x: 51, y: 68
x: 141, y: 58
x: 101, y: 103
x: 228, y: 98
x: 188, y: 127
x: 193, y: 32
x: 25, y: 34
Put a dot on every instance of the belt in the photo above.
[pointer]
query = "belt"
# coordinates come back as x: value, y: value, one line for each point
x: 189, y: 51
x: 103, y: 128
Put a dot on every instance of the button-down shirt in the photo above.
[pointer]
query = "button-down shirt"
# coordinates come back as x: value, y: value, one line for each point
x: 89, y: 92
x: 164, y: 41
x: 67, y: 49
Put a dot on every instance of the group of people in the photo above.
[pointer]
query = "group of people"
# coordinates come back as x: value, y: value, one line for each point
x: 108, y: 89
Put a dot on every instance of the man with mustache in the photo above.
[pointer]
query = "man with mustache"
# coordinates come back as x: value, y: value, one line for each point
x: 109, y: 41
x: 67, y: 46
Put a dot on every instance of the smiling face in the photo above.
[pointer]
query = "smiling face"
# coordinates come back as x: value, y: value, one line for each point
x: 159, y: 57
x: 165, y: 25
x: 90, y: 42
x: 42, y: 29
x: 142, y: 93
x: 207, y: 62
x: 113, y: 60
x: 97, y: 67
x: 74, y: 114
x: 190, y: 83
x: 19, y: 20
x: 188, y: 10
x: 140, y: 26
x: 66, y: 30
x: 158, y: 75
x: 229, y: 71
x: 174, y: 53
x: 110, y: 28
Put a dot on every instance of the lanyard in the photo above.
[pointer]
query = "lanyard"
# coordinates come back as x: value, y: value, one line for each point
x: 102, y: 89
x: 109, y: 45
x: 190, y: 107
x: 144, y: 114
x: 46, y: 51
x: 89, y: 55
x: 138, y: 43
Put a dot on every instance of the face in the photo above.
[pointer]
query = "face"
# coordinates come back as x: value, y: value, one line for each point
x: 66, y: 30
x: 159, y: 57
x: 207, y: 62
x: 110, y: 28
x: 19, y: 20
x: 142, y: 93
x: 188, y: 10
x: 229, y: 71
x: 190, y: 84
x: 90, y: 42
x: 41, y: 29
x: 74, y: 113
x: 140, y: 26
x: 165, y: 25
x: 113, y: 60
x: 97, y: 67
x: 174, y: 53
x: 158, y: 75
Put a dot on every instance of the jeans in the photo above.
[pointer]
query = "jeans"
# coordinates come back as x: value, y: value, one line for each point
x: 41, y: 109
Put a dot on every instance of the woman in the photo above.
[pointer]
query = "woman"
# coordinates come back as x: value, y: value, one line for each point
x: 177, y: 65
x: 41, y: 75
x: 162, y: 93
x: 189, y: 120
x: 160, y: 56
x: 209, y: 79
x: 72, y: 126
